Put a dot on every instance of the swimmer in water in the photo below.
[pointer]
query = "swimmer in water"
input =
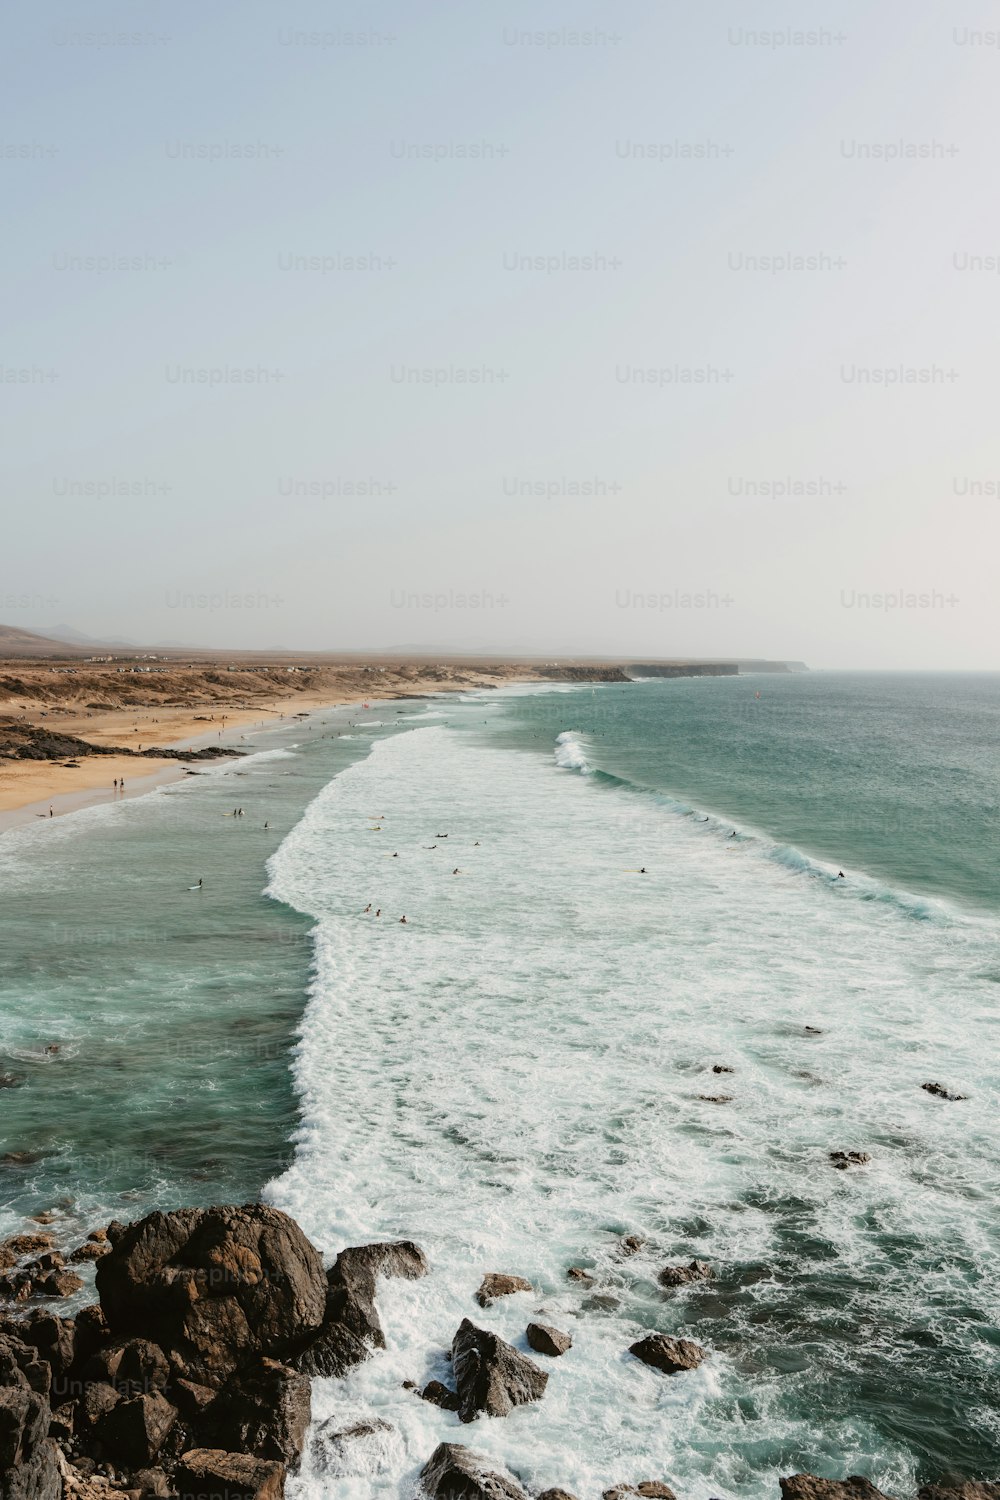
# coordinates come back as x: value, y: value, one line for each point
x: 379, y: 912
x: 403, y: 919
x: 395, y: 856
x: 733, y: 834
x: 367, y: 909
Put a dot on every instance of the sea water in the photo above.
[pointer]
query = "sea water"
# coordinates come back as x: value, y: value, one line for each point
x: 522, y: 1073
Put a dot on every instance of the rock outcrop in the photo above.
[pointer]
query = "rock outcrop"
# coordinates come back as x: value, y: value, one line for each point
x: 842, y: 1160
x: 669, y: 1355
x: 491, y: 1378
x: 496, y: 1285
x: 696, y: 1270
x: 456, y: 1473
x: 545, y: 1339
x: 809, y: 1487
x: 350, y: 1329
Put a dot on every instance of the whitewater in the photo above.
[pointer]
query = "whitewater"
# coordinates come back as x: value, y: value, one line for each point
x: 522, y: 1074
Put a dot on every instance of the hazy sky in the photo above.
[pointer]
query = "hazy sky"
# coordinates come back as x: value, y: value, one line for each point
x: 568, y: 363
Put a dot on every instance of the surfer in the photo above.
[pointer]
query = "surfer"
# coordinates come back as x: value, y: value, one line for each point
x: 395, y: 856
x: 841, y: 875
x: 733, y: 834
x: 644, y: 871
x: 456, y: 871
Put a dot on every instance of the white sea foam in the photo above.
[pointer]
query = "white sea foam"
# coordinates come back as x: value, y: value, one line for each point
x: 570, y: 752
x: 513, y: 1080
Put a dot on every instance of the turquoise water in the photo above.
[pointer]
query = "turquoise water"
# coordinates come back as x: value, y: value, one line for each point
x: 516, y: 1077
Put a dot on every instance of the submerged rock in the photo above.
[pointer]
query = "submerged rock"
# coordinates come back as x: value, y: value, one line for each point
x: 669, y: 1355
x: 696, y: 1270
x: 545, y: 1339
x: 961, y: 1489
x: 456, y: 1473
x: 652, y: 1489
x: 809, y: 1487
x: 359, y: 1450
x: 496, y: 1285
x: 844, y: 1159
x: 490, y: 1376
x: 631, y: 1244
x: 577, y: 1273
x: 940, y: 1092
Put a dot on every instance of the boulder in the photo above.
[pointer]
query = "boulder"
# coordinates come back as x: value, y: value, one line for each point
x: 716, y: 1098
x: 358, y: 1450
x: 217, y: 1285
x: 95, y: 1403
x: 556, y: 1494
x: 439, y: 1395
x: 577, y: 1273
x: 88, y: 1252
x: 652, y: 1489
x: 545, y: 1339
x: 456, y: 1473
x: 208, y: 1474
x: 152, y: 1483
x: 844, y: 1159
x: 264, y: 1410
x: 21, y: 1366
x: 59, y: 1284
x: 490, y: 1376
x: 722, y: 1068
x: 138, y: 1368
x: 351, y: 1329
x: 28, y: 1464
x: 696, y: 1270
x: 28, y: 1244
x: 671, y: 1356
x: 52, y: 1336
x: 940, y: 1092
x: 135, y: 1429
x: 496, y: 1285
x: 90, y: 1331
x: 809, y: 1487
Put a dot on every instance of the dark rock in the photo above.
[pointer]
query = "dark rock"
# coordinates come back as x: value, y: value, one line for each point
x: 89, y: 1251
x: 496, y: 1285
x: 364, y: 1448
x: 28, y: 1244
x: 21, y: 1366
x: 490, y: 1376
x: 96, y: 1401
x: 351, y: 1329
x: 63, y: 1422
x: 207, y: 1474
x: 90, y: 1331
x: 696, y: 1270
x: 135, y: 1430
x: 556, y: 1495
x: 814, y: 1030
x: 722, y: 1068
x: 16, y: 1287
x: 716, y: 1098
x: 545, y: 1339
x: 115, y: 1231
x: 7, y: 1259
x: 456, y: 1473
x: 652, y: 1489
x: 192, y: 1400
x: 139, y: 1368
x: 809, y: 1487
x: 844, y: 1159
x: 100, y: 1236
x: 28, y: 1465
x: 59, y: 1284
x: 940, y: 1092
x: 631, y: 1244
x: 671, y: 1356
x: 21, y: 1158
x: 439, y: 1395
x: 152, y: 1483
x: 601, y: 1302
x: 218, y: 1285
x: 52, y: 1336
x: 577, y: 1273
x: 50, y: 1261
x: 264, y: 1410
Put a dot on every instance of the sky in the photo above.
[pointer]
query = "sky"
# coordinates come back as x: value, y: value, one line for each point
x: 646, y: 328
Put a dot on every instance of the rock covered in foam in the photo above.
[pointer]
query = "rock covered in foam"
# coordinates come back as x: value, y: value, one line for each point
x: 454, y: 1472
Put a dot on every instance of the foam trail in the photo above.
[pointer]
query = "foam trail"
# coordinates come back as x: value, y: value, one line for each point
x: 515, y: 1079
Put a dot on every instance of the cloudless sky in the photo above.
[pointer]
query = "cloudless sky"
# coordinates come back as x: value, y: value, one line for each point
x: 528, y: 489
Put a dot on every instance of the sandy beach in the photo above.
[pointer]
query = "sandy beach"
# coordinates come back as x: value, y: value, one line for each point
x: 178, y: 705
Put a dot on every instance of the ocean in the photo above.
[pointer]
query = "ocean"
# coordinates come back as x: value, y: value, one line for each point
x: 610, y: 892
